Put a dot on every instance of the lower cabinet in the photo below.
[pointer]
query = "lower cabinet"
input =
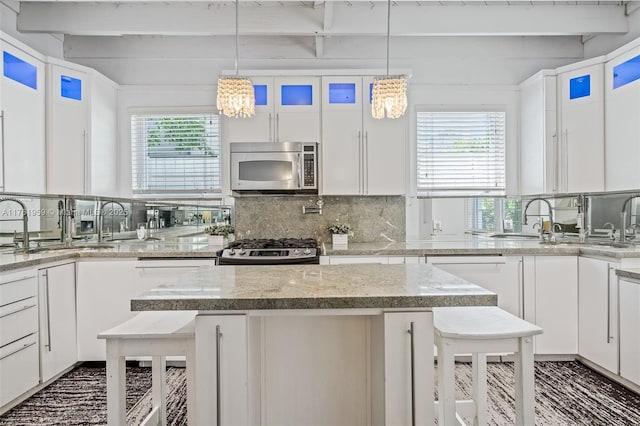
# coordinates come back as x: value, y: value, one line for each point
x: 105, y: 290
x: 551, y: 302
x: 19, y: 369
x: 57, y: 297
x: 499, y: 274
x: 598, y: 312
x: 630, y: 330
x: 224, y: 352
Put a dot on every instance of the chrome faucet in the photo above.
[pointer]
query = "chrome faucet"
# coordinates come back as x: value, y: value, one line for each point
x: 623, y: 217
x: 25, y: 221
x: 552, y: 236
x: 101, y: 218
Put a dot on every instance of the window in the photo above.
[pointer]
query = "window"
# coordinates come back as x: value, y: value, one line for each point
x: 494, y: 214
x: 175, y: 153
x: 461, y: 153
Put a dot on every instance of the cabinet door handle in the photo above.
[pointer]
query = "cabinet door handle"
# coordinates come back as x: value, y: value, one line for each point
x: 47, y: 304
x: 521, y: 287
x: 25, y: 346
x: 609, y: 269
x: 411, y: 332
x: 2, y: 136
x: 556, y: 148
x: 270, y: 128
x: 86, y: 161
x: 565, y: 159
x: 278, y: 127
x: 218, y: 369
x: 360, y: 161
x: 366, y: 162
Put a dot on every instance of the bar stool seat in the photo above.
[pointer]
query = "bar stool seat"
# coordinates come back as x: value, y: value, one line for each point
x: 155, y: 334
x: 478, y: 331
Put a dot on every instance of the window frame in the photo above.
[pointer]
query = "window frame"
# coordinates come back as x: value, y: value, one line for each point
x: 422, y: 192
x: 216, y: 191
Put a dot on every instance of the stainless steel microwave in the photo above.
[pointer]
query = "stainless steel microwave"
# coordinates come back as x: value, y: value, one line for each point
x: 274, y: 167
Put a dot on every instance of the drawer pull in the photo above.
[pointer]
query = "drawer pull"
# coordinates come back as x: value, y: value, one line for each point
x: 24, y: 308
x: 25, y: 346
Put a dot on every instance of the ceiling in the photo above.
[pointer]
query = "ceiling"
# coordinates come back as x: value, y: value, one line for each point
x: 322, y: 19
x: 166, y: 42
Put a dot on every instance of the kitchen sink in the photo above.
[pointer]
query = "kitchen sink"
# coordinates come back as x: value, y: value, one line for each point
x: 515, y: 236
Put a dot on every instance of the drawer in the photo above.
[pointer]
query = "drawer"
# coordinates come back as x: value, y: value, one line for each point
x: 18, y: 286
x: 19, y: 368
x: 18, y: 320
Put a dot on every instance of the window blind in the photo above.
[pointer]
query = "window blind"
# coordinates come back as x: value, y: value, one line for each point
x: 460, y: 153
x: 175, y: 153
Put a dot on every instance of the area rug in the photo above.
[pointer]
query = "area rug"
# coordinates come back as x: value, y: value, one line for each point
x: 567, y: 394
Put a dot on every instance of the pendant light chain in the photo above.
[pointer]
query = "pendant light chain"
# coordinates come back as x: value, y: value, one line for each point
x: 236, y: 96
x: 389, y: 92
x: 237, y: 38
x: 388, y: 31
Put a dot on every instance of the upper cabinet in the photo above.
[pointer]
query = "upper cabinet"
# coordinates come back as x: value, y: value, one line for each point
x: 81, y: 130
x: 287, y: 110
x: 22, y: 100
x: 538, y: 147
x: 580, y: 127
x: 622, y: 109
x: 360, y: 155
x: 562, y: 130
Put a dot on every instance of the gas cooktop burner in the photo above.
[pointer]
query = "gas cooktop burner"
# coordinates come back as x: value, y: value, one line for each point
x: 272, y: 244
x: 270, y: 252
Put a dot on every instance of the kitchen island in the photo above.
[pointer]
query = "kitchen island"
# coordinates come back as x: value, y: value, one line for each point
x: 315, y: 344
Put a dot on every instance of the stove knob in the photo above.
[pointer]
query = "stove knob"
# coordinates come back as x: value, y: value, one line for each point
x: 242, y: 252
x: 307, y: 251
x: 232, y: 252
x: 296, y: 252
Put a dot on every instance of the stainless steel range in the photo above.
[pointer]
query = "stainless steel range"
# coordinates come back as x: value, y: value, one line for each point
x: 284, y: 251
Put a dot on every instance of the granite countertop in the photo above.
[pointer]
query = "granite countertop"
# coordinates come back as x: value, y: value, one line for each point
x: 197, y: 246
x: 480, y: 246
x: 632, y: 273
x: 179, y: 247
x: 242, y: 288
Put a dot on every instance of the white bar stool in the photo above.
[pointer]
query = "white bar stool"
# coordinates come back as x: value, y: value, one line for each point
x: 155, y: 334
x: 481, y: 330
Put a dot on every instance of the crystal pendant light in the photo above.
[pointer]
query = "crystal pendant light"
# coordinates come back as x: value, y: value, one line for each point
x: 389, y: 92
x: 235, y: 94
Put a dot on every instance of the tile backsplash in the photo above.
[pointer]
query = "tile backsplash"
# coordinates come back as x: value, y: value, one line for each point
x: 372, y: 218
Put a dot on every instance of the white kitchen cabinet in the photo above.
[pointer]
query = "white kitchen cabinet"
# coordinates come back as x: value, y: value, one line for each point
x: 538, y: 145
x: 598, y: 312
x: 630, y: 329
x: 22, y: 102
x: 57, y: 298
x: 581, y: 126
x: 105, y: 289
x: 19, y: 370
x: 499, y: 274
x: 225, y: 351
x: 81, y: 130
x: 622, y: 127
x: 360, y: 155
x: 287, y: 110
x: 407, y: 341
x: 551, y: 301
